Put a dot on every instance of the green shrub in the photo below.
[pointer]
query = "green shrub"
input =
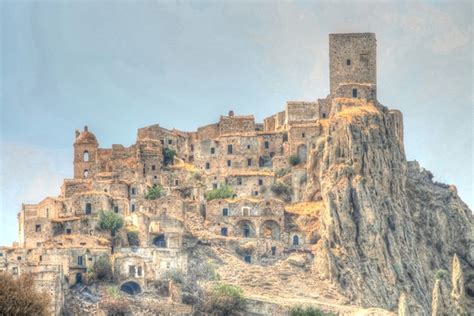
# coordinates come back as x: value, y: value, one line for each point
x: 224, y: 299
x: 307, y: 311
x: 175, y: 275
x: 155, y: 192
x: 109, y: 221
x: 133, y: 238
x: 102, y: 270
x: 282, y: 172
x: 223, y: 192
x: 282, y: 190
x: 294, y: 160
x: 168, y: 156
x: 441, y: 274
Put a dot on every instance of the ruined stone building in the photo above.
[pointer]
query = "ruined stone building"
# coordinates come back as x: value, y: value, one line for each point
x: 267, y: 170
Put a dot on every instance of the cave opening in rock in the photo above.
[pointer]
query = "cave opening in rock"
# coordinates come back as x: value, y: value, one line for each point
x: 131, y: 287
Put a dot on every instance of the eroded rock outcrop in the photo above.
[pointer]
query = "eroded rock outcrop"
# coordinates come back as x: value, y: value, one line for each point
x: 387, y: 227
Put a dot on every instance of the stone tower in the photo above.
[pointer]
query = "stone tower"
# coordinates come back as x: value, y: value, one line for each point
x: 85, y: 153
x: 352, y: 65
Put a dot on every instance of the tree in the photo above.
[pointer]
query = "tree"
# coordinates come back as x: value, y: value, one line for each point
x: 282, y: 190
x: 18, y: 296
x: 225, y: 299
x: 155, y: 192
x: 223, y: 192
x: 102, y: 269
x: 168, y: 156
x: 294, y: 160
x: 308, y: 311
x: 109, y: 221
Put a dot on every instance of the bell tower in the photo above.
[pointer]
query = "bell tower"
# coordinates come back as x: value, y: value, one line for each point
x: 85, y: 154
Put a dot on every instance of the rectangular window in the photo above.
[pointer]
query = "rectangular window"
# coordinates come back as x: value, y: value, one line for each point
x: 37, y: 228
x: 245, y: 211
x: 255, y: 193
x: 170, y: 142
x: 224, y: 231
x: 133, y: 191
x: 229, y: 163
x: 18, y: 258
x: 40, y: 258
x: 88, y: 208
x: 249, y: 162
x: 348, y: 62
x: 153, y: 167
x: 131, y: 271
x: 267, y: 145
x: 248, y: 146
x: 15, y: 271
x: 192, y: 147
x: 230, y: 150
x: 225, y: 212
x: 139, y: 271
x: 68, y: 231
x: 208, y: 165
x: 79, y: 260
x: 239, y: 181
x: 260, y: 182
x: 116, y: 209
x: 274, y: 249
x: 162, y: 141
x: 248, y: 259
x: 354, y: 93
x: 213, y: 150
x: 133, y: 207
x: 214, y: 185
x: 176, y: 182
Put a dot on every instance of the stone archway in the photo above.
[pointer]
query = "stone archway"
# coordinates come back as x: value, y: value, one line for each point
x: 159, y: 241
x: 270, y: 229
x: 246, y: 228
x: 131, y: 287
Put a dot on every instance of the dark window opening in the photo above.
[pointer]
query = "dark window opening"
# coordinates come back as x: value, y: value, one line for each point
x: 86, y: 156
x: 153, y: 167
x: 229, y: 149
x: 248, y: 259
x: 37, y: 228
x: 79, y: 260
x: 213, y: 150
x: 208, y: 165
x: 176, y: 182
x: 348, y: 62
x: 248, y: 146
x: 260, y: 182
x: 214, y: 185
x: 354, y: 93
x: 229, y: 163
x: 78, y: 278
x: 324, y: 115
x: 88, y: 208
x: 15, y: 271
x: 225, y: 212
x: 162, y: 141
x: 255, y: 193
x: 296, y: 240
x: 68, y: 231
x: 267, y: 145
x: 133, y: 191
x: 192, y: 147
x: 239, y: 181
x: 131, y: 271
x: 246, y: 230
x: 224, y: 231
x: 249, y: 162
x: 40, y: 258
x: 133, y: 207
x: 18, y: 258
x: 139, y: 271
x: 116, y: 209
x: 274, y: 249
x: 303, y: 135
x: 159, y: 241
x: 170, y: 141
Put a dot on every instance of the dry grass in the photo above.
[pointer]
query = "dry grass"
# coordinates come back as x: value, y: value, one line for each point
x: 184, y: 166
x: 306, y: 208
x: 249, y: 173
x: 361, y: 108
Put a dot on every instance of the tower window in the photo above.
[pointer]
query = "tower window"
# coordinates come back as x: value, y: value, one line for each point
x: 213, y: 150
x: 224, y: 231
x: 86, y: 173
x: 79, y: 260
x: 153, y: 167
x: 86, y: 156
x: 249, y: 162
x: 37, y: 228
x: 192, y: 147
x: 260, y: 182
x: 88, y: 208
x: 229, y: 149
x: 354, y: 93
x: 303, y: 135
x: 208, y: 165
x: 225, y: 212
x: 348, y: 62
x: 267, y: 145
x: 229, y: 163
x: 133, y: 191
x: 116, y: 209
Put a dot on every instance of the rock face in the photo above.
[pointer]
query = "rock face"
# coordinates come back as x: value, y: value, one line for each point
x: 386, y: 227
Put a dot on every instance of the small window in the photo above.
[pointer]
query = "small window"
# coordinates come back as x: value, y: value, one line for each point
x: 246, y: 212
x: 239, y: 181
x: 274, y: 249
x: 131, y: 271
x: 1, y: 254
x: 224, y: 231
x: 324, y: 115
x: 162, y: 141
x: 214, y: 186
x: 139, y: 271
x: 79, y: 260
x: 88, y: 208
x: 192, y: 147
x: 225, y: 212
x: 86, y: 156
x: 249, y: 162
x: 348, y: 62
x: 170, y: 142
x: 176, y: 182
x: 38, y: 244
x: 15, y: 271
x: 260, y: 182
x: 18, y: 258
x: 208, y: 166
x: 86, y: 173
x: 37, y: 228
x: 133, y: 207
x: 354, y: 93
x: 267, y: 145
x: 248, y: 259
x: 230, y: 149
x: 40, y: 258
x: 303, y: 135
x: 68, y: 231
x: 296, y: 240
x: 229, y: 163
x: 153, y: 167
x: 213, y: 150
x: 248, y: 146
x: 133, y: 191
x: 255, y: 193
x: 116, y: 209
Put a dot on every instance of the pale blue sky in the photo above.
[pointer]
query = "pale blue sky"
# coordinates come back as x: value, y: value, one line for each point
x: 118, y: 66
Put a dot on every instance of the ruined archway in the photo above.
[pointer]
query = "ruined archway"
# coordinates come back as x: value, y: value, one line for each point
x: 131, y: 287
x: 270, y: 230
x: 246, y: 228
x: 159, y: 241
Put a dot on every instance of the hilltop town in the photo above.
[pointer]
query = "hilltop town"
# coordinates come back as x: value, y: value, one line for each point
x: 314, y: 206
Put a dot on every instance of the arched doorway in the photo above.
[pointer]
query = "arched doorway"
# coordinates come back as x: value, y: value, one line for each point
x: 159, y: 241
x: 296, y: 240
x: 247, y: 229
x: 270, y: 229
x: 131, y: 287
x: 78, y: 278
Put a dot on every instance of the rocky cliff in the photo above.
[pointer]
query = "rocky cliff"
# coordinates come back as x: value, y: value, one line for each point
x: 387, y: 227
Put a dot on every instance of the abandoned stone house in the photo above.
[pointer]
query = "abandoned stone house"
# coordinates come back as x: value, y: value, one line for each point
x: 59, y: 239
